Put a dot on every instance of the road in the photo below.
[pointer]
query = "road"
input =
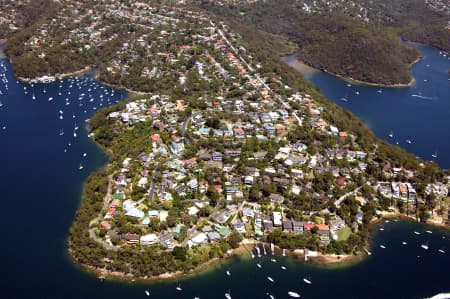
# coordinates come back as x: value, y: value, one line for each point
x: 184, y: 127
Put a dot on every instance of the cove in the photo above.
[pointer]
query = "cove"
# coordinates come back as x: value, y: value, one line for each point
x: 419, y: 113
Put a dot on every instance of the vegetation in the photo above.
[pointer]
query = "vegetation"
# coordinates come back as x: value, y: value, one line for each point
x: 338, y: 43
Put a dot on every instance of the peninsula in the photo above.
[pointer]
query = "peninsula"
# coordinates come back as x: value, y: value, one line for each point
x: 223, y: 144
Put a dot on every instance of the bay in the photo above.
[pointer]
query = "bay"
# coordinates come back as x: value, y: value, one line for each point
x: 419, y: 113
x: 40, y: 189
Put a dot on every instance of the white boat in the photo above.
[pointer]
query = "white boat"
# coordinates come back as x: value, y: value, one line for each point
x: 417, y: 233
x: 259, y: 265
x: 84, y: 154
x: 425, y: 246
x: 228, y: 295
x: 428, y: 231
x: 273, y: 260
x: 270, y: 278
x: 228, y: 273
x: 442, y: 250
x: 50, y: 99
x: 33, y: 97
x: 74, y: 134
x: 357, y: 93
x: 367, y: 251
x: 283, y: 267
x: 391, y: 134
x: 408, y: 141
x: 294, y: 294
x: 307, y: 281
x: 379, y: 91
x: 343, y: 99
x: 382, y: 246
x: 80, y: 167
x: 270, y: 296
x: 147, y: 293
x: 435, y: 155
x: 178, y: 288
x: 381, y: 228
x: 404, y: 243
x: 61, y: 132
x: 441, y: 296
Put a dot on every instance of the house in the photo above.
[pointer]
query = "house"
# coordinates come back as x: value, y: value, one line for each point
x: 341, y: 182
x: 238, y: 226
x: 276, y: 198
x: 130, y: 238
x: 287, y: 226
x: 277, y: 219
x: 199, y: 239
x: 149, y: 239
x: 307, y: 226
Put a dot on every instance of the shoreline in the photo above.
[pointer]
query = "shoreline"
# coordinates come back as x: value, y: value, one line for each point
x: 307, y: 68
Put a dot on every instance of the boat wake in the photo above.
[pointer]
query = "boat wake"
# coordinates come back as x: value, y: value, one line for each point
x: 421, y: 97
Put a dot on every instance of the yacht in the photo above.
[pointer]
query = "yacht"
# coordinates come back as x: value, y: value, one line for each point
x: 307, y: 281
x: 367, y: 251
x: 442, y: 250
x: 147, y: 293
x: 404, y: 243
x: 425, y: 246
x: 50, y: 99
x: 283, y: 267
x: 391, y: 134
x: 33, y: 97
x: 408, y: 141
x: 178, y: 288
x: 428, y: 231
x: 80, y: 167
x: 294, y: 294
x: 228, y: 273
x: 84, y: 154
x: 270, y: 278
x: 259, y: 265
x: 357, y: 93
x: 228, y: 295
x: 382, y: 246
x: 273, y: 260
x: 417, y: 233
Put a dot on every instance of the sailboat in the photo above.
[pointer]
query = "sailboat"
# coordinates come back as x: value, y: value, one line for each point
x: 33, y: 97
x: 391, y: 134
x: 408, y: 141
x: 80, y: 167
x: 228, y: 295
x: 425, y: 246
x: 435, y: 155
x: 178, y: 288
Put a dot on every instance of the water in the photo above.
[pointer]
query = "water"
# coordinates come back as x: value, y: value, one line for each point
x: 41, y: 185
x: 420, y: 113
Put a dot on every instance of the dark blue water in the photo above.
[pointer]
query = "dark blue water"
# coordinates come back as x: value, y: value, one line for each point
x: 40, y: 187
x: 420, y: 113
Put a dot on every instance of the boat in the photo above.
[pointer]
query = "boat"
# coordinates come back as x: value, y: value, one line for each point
x: 228, y: 295
x: 382, y: 246
x: 307, y: 281
x: 273, y: 260
x: 270, y: 279
x: 178, y: 288
x: 428, y: 231
x: 61, y: 132
x: 84, y: 154
x: 74, y: 134
x: 404, y: 243
x: 33, y: 97
x: 1, y: 104
x: 435, y: 155
x: 343, y: 99
x: 425, y: 246
x: 270, y: 296
x: 357, y: 93
x: 408, y: 141
x: 50, y: 99
x: 147, y: 293
x: 391, y: 134
x: 416, y: 232
x: 228, y: 273
x: 379, y: 91
x: 283, y: 267
x: 284, y: 252
x: 441, y: 296
x: 294, y: 294
x: 442, y: 250
x: 367, y: 251
x: 259, y: 265
x: 80, y: 167
x: 381, y: 228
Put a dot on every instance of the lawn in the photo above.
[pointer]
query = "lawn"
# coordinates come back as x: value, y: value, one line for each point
x: 344, y: 233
